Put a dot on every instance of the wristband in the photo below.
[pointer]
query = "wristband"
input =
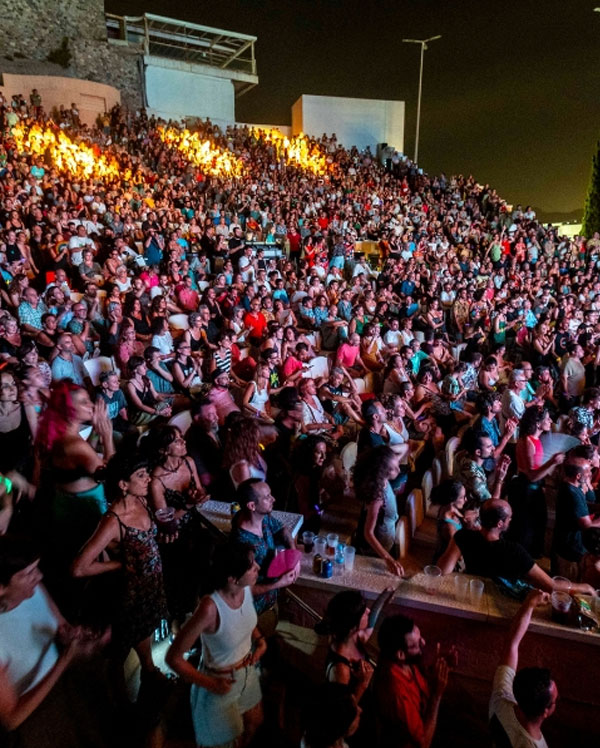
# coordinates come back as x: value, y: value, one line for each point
x: 6, y: 482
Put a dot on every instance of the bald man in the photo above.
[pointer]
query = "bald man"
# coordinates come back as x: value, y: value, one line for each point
x: 487, y: 554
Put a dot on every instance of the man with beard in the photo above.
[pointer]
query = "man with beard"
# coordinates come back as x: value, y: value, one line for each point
x: 487, y: 554
x: 204, y: 442
x: 407, y: 700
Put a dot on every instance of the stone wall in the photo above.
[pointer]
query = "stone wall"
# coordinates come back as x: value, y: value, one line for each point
x: 31, y: 29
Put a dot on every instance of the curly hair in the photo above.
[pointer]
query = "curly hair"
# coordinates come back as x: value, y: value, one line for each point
x: 242, y: 442
x: 531, y: 420
x: 371, y: 473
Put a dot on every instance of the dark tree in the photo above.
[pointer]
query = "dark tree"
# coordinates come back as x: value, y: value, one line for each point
x: 591, y: 213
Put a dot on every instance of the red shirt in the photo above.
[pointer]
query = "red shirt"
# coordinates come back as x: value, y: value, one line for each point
x: 347, y: 354
x: 256, y: 322
x: 291, y: 366
x: 402, y: 697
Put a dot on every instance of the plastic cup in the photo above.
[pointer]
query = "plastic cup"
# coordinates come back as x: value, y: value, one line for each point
x: 308, y: 539
x: 165, y: 519
x: 476, y: 588
x: 350, y: 554
x: 339, y: 561
x: 320, y: 545
x: 432, y: 578
x: 561, y: 605
x: 562, y: 584
x: 461, y: 586
x: 332, y: 543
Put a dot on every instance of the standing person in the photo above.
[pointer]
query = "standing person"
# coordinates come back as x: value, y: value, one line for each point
x: 255, y: 525
x: 130, y: 528
x: 69, y: 465
x: 40, y: 696
x: 572, y: 376
x: 521, y: 701
x: 373, y: 473
x: 226, y: 699
x: 407, y: 701
x: 175, y: 484
x: 526, y: 491
x: 572, y: 518
x: 350, y: 623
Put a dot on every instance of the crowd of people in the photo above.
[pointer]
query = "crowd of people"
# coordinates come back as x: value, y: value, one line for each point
x: 213, y: 298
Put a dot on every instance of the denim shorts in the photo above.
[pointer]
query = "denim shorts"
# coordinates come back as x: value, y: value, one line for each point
x: 218, y: 718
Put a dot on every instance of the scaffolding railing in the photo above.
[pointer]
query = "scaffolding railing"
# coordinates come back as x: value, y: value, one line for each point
x: 185, y: 41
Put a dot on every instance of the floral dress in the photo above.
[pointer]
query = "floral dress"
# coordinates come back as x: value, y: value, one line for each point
x: 143, y: 603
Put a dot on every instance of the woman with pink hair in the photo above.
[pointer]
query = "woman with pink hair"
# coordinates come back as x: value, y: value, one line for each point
x: 67, y: 464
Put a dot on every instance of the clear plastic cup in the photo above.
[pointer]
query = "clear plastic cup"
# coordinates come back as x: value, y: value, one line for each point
x: 332, y: 543
x: 432, y: 578
x: 349, y: 556
x: 165, y: 520
x: 562, y: 584
x: 308, y: 540
x: 476, y: 589
x: 320, y: 545
x: 461, y: 586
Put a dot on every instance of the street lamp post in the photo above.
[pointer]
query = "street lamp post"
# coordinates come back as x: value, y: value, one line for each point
x: 423, y: 43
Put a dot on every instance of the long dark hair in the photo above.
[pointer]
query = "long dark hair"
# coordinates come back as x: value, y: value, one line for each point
x: 531, y: 420
x: 370, y: 473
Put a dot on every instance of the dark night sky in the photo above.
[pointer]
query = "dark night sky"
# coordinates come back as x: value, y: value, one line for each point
x: 511, y: 91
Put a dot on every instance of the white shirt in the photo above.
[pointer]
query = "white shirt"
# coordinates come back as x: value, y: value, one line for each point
x: 27, y: 647
x: 502, y: 706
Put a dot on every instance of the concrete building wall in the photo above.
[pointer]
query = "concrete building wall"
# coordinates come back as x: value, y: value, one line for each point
x: 91, y: 98
x: 177, y: 90
x: 356, y: 122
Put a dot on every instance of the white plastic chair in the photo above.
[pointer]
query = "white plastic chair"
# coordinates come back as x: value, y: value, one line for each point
x: 75, y: 297
x: 402, y: 537
x: 414, y: 510
x: 318, y: 367
x: 427, y: 488
x: 451, y: 447
x: 179, y: 322
x: 361, y: 386
x: 182, y: 421
x: 203, y: 285
x: 436, y: 470
x: 348, y: 457
x: 95, y: 367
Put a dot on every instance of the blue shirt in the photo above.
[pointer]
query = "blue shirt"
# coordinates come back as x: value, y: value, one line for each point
x: 264, y: 552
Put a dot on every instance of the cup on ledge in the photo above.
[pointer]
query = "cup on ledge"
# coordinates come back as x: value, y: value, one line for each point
x: 332, y: 543
x: 461, y: 586
x: 349, y: 556
x: 165, y: 520
x: 561, y: 605
x: 320, y: 545
x: 476, y: 589
x: 432, y: 577
x: 308, y: 539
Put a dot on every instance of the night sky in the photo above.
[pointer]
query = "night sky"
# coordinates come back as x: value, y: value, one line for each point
x: 511, y: 91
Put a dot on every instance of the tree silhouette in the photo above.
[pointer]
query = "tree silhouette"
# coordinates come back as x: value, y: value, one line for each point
x: 591, y: 213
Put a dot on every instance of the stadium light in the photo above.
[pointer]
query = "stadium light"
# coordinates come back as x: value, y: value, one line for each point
x: 423, y: 43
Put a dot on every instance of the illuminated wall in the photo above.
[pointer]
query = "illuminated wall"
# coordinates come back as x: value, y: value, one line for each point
x: 177, y: 89
x: 359, y: 122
